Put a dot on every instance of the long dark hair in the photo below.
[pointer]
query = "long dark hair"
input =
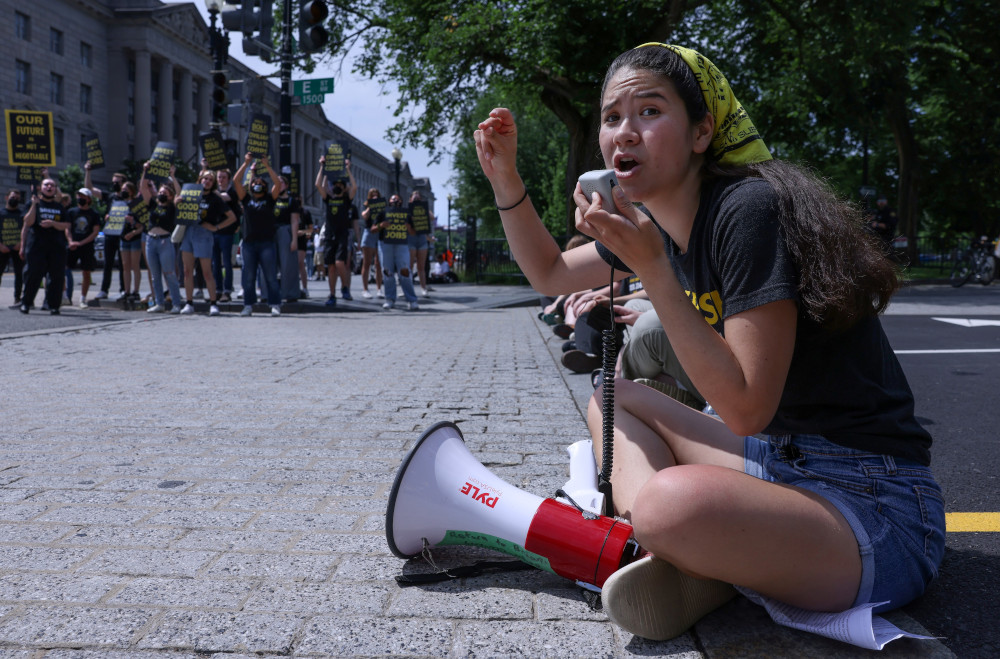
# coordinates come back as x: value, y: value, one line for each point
x: 844, y: 275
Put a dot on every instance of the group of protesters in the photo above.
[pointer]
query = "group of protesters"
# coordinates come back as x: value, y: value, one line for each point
x: 53, y: 236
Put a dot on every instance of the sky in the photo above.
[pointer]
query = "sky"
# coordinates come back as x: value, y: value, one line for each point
x: 361, y: 107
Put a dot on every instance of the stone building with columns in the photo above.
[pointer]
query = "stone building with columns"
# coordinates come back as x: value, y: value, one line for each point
x: 137, y: 72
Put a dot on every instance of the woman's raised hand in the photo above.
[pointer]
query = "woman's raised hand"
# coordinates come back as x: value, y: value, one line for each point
x: 496, y: 145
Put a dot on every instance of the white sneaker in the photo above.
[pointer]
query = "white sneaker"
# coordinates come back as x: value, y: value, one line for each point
x: 247, y: 311
x: 413, y: 306
x: 379, y: 294
x: 83, y: 303
x: 156, y: 308
x: 366, y: 295
x: 388, y: 305
x: 399, y: 294
x: 213, y: 310
x: 305, y: 293
x: 101, y: 296
x: 239, y: 295
x: 175, y: 310
x: 187, y: 310
x: 199, y: 294
x: 653, y: 599
x: 275, y: 311
x: 423, y: 291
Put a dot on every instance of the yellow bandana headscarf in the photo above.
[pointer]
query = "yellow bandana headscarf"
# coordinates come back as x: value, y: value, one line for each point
x: 736, y: 140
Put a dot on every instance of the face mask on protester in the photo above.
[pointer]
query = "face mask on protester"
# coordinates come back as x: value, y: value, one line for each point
x: 162, y: 198
x: 257, y: 188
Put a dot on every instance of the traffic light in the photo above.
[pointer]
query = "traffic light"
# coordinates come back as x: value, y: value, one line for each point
x: 220, y: 96
x: 312, y: 33
x: 238, y: 16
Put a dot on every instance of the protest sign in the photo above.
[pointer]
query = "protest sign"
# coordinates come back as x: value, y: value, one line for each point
x: 116, y: 218
x: 30, y: 138
x: 95, y: 154
x: 337, y: 154
x: 420, y: 216
x: 259, y: 137
x: 213, y: 149
x: 160, y: 162
x: 188, y: 204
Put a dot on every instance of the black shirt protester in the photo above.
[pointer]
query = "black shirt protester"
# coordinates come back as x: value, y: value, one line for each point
x: 259, y: 218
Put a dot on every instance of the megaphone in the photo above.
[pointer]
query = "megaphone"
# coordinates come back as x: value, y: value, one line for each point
x: 443, y: 496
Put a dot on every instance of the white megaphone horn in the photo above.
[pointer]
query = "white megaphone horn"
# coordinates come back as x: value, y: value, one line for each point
x: 442, y: 495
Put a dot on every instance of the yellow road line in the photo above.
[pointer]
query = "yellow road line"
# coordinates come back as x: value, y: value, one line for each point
x: 972, y: 522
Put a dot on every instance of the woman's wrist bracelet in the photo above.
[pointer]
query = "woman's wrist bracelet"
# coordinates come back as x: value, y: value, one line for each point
x: 516, y: 204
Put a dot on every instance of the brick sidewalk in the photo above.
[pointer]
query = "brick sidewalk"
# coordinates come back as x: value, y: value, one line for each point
x: 192, y: 485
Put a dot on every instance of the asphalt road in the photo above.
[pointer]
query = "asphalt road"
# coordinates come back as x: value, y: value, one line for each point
x: 955, y: 383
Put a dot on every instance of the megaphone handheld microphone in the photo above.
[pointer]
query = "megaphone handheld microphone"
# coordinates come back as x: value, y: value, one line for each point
x: 443, y: 496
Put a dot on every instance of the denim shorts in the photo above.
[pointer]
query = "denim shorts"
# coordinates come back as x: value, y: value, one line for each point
x: 199, y: 241
x: 894, y: 506
x: 418, y: 241
x: 369, y: 239
x: 134, y: 245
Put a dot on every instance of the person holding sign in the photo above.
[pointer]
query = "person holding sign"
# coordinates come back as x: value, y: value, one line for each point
x: 131, y: 246
x: 85, y: 224
x: 419, y: 241
x: 394, y: 253
x: 337, y: 256
x: 222, y: 250
x: 213, y: 214
x: 259, y: 230
x: 43, y: 246
x: 373, y: 214
x: 11, y: 221
x: 161, y: 257
x: 287, y: 209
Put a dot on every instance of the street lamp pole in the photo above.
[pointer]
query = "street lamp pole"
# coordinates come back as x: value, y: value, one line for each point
x: 449, y: 222
x: 397, y: 155
x: 285, y: 128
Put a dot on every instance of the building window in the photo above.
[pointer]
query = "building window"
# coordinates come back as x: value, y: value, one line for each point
x: 59, y: 139
x: 83, y: 147
x: 22, y: 25
x: 23, y: 75
x: 86, y: 55
x: 86, y: 95
x: 56, y: 88
x: 56, y: 41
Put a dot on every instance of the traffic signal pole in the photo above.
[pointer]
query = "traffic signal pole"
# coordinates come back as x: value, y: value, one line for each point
x: 285, y: 127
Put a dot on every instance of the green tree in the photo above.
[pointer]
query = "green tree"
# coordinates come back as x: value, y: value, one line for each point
x: 845, y: 86
x: 442, y: 55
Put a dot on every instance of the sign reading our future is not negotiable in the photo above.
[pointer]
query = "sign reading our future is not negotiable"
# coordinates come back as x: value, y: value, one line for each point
x: 30, y: 138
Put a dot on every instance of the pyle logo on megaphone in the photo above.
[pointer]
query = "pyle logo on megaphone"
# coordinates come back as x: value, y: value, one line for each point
x: 482, y: 497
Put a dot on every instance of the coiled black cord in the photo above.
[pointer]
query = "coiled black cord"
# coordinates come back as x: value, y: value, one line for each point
x: 609, y: 357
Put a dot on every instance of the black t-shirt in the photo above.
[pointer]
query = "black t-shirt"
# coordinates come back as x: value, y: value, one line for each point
x: 48, y: 210
x: 164, y: 217
x: 259, y: 218
x: 234, y: 205
x: 338, y: 215
x: 82, y: 222
x: 284, y: 208
x: 305, y: 221
x: 398, y: 219
x: 212, y: 209
x: 10, y: 226
x: 847, y: 386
